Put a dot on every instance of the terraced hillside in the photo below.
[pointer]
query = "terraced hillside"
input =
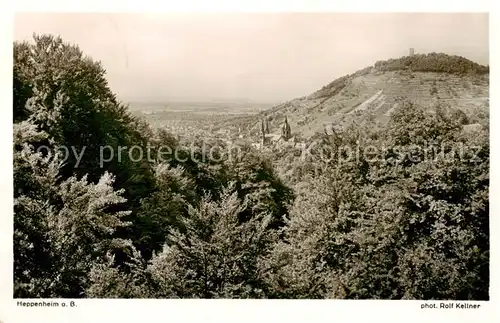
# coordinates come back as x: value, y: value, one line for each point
x: 374, y: 92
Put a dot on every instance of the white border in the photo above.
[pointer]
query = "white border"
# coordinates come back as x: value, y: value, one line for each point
x: 226, y: 310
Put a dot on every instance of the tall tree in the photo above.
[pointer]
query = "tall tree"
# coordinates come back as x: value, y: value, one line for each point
x: 61, y: 226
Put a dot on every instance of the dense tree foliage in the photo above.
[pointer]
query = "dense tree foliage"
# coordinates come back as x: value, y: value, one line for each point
x: 60, y: 227
x: 398, y: 211
x: 433, y: 62
x: 65, y: 95
x: 413, y: 224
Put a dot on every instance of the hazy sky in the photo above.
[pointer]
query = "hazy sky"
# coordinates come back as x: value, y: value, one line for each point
x: 264, y: 57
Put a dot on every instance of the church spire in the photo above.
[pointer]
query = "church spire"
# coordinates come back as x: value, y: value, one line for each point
x: 286, y: 132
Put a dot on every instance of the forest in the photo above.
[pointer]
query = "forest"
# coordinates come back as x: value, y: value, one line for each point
x: 400, y: 222
x: 433, y: 62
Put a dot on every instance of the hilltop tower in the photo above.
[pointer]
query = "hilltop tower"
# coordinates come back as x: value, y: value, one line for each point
x: 412, y: 51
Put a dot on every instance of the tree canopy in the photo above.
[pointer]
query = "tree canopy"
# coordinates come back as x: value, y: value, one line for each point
x: 407, y: 220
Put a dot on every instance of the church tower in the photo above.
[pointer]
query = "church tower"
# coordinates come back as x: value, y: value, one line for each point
x: 286, y: 132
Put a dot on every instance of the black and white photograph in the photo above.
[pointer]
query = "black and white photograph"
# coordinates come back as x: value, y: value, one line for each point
x: 268, y: 156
